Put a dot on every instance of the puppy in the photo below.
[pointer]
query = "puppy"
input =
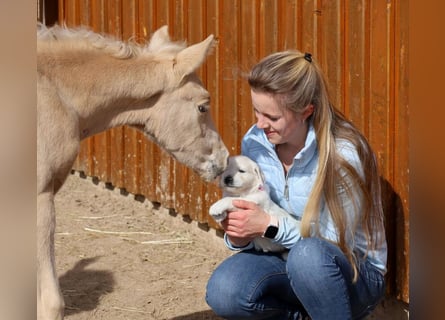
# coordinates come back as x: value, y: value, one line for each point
x: 243, y: 179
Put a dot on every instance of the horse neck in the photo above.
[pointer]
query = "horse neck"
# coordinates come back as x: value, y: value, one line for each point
x: 131, y: 112
x: 108, y: 91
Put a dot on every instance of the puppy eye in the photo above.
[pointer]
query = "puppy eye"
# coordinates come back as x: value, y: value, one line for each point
x: 241, y: 170
x: 202, y: 108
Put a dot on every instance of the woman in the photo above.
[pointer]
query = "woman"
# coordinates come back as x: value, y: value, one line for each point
x: 321, y: 169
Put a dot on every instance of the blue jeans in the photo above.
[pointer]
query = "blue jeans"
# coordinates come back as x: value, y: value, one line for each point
x: 316, y: 280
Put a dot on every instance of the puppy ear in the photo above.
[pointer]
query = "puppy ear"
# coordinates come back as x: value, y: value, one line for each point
x: 260, y: 175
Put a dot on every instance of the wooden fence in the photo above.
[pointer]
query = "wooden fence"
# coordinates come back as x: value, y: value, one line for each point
x: 361, y: 45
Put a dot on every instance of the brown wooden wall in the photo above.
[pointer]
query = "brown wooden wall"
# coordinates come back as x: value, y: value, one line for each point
x: 362, y: 46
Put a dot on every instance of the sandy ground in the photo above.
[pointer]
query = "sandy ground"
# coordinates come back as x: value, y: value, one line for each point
x: 122, y: 258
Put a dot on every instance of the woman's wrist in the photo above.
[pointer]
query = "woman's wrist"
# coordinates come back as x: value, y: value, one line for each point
x: 238, y: 242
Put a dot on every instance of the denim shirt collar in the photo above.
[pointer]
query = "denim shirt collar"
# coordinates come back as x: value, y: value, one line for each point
x: 303, y: 157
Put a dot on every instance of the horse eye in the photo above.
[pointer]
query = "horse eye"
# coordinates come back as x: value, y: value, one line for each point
x: 202, y: 108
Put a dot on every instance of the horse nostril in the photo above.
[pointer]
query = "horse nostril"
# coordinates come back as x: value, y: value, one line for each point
x: 228, y: 180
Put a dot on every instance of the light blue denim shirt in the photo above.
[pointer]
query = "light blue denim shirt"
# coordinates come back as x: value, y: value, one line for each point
x: 292, y: 191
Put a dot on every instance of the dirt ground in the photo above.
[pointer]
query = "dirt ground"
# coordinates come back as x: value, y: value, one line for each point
x: 122, y: 258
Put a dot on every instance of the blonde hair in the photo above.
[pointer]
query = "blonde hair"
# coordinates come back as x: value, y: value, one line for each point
x: 296, y: 81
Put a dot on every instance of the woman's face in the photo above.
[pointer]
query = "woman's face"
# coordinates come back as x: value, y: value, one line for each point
x: 280, y: 125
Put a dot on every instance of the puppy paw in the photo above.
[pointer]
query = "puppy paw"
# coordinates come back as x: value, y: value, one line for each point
x: 217, y: 214
x: 219, y: 217
x: 219, y: 209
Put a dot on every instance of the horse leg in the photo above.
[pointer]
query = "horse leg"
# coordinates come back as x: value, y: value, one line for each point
x: 50, y: 304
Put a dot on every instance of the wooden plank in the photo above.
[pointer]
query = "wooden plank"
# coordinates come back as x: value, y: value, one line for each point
x: 85, y: 12
x: 149, y: 173
x: 70, y: 12
x: 164, y: 187
x: 308, y: 23
x: 229, y: 27
x: 149, y: 164
x: 288, y: 28
x: 172, y: 188
x: 182, y: 192
x: 88, y: 146
x: 162, y: 13
x: 356, y: 82
x: 98, y: 16
x: 178, y: 21
x: 48, y: 10
x: 268, y: 28
x: 331, y: 49
x: 212, y: 23
x: 101, y: 154
x: 249, y: 56
x: 174, y: 12
x: 132, y: 160
x: 195, y: 33
x: 132, y: 144
x: 229, y: 73
x: 117, y: 157
x: 401, y: 148
x: 164, y: 177
x: 61, y: 10
x: 381, y: 118
x: 114, y: 22
x: 145, y: 18
x: 130, y: 20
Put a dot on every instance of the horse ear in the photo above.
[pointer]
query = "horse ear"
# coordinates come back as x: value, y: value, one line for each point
x: 159, y: 38
x: 191, y: 58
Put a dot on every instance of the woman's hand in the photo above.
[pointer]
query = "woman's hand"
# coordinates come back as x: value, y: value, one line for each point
x: 242, y: 225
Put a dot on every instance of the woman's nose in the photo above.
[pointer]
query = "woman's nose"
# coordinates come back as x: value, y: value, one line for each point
x: 261, y: 123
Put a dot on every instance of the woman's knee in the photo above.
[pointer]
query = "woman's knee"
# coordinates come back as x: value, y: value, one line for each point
x: 311, y: 255
x: 223, y: 293
x: 307, y: 250
x: 216, y: 291
x: 237, y: 285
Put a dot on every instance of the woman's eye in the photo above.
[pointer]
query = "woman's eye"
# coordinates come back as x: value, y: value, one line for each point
x: 202, y: 108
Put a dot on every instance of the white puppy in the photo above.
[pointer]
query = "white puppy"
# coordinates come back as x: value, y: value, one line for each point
x: 243, y: 179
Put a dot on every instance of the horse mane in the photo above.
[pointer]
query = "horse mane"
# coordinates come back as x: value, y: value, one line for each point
x: 84, y: 38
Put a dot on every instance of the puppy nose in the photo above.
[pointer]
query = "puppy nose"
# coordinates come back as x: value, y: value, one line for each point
x: 228, y: 180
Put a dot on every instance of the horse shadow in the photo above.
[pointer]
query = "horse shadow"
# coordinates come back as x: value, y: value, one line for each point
x: 82, y: 289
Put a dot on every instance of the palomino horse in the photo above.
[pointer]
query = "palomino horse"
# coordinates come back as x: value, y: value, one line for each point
x: 87, y: 83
